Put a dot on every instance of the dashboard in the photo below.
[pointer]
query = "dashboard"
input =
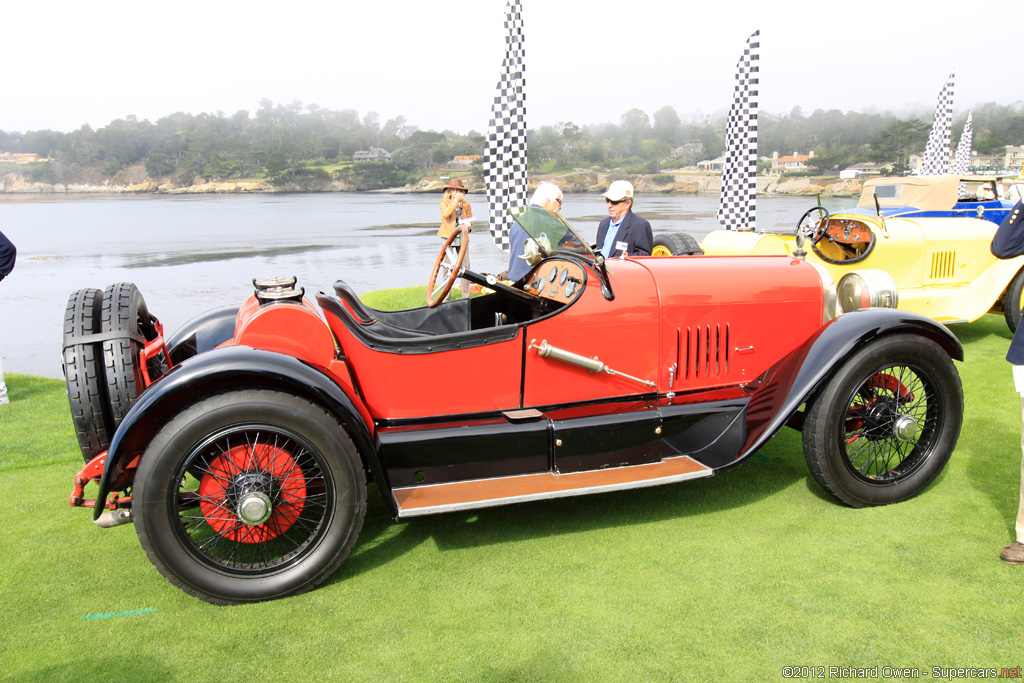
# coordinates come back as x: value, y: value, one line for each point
x: 556, y: 280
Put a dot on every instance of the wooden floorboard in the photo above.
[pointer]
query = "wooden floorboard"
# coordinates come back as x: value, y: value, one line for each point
x: 419, y: 500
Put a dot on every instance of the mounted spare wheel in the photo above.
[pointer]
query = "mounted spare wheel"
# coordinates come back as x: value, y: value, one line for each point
x: 127, y: 326
x: 83, y: 370
x: 676, y: 244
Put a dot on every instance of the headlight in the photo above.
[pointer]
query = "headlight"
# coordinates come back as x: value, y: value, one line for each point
x: 867, y: 289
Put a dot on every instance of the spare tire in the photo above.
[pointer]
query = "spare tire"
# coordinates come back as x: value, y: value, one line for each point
x: 83, y: 372
x: 676, y: 244
x: 127, y: 325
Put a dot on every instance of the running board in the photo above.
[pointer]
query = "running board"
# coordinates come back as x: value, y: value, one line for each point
x: 416, y: 501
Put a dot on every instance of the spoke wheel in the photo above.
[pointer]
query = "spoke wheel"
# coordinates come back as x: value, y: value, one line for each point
x: 885, y: 425
x: 447, y: 267
x: 248, y: 496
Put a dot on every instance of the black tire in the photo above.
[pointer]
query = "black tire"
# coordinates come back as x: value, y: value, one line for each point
x: 207, y: 460
x: 859, y: 434
x: 124, y: 312
x: 676, y: 244
x: 83, y: 372
x: 1012, y: 301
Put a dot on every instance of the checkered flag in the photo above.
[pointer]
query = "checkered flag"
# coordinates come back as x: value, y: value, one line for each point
x: 936, y: 152
x: 504, y: 162
x: 962, y: 159
x: 738, y: 206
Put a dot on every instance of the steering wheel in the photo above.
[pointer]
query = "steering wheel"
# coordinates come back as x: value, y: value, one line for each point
x: 447, y: 267
x: 813, y: 223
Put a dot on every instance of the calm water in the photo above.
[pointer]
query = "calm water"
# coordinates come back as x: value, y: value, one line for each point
x: 192, y: 254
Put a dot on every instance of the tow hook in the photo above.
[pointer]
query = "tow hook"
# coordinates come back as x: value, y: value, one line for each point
x: 112, y: 518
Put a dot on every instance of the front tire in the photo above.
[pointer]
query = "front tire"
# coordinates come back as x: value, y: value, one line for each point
x: 886, y: 423
x: 249, y: 495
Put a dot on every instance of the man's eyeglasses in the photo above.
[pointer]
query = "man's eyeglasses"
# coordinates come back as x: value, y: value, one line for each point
x: 559, y: 203
x: 613, y: 201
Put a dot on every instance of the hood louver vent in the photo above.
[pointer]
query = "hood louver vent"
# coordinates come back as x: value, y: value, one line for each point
x: 704, y: 351
x: 943, y: 265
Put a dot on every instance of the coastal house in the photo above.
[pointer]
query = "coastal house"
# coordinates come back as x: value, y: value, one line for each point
x: 984, y: 163
x: 715, y: 165
x: 375, y: 154
x: 795, y: 163
x: 868, y: 169
x: 1013, y: 160
x: 18, y: 158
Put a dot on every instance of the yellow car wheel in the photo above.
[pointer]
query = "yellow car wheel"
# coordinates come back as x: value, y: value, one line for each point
x: 675, y: 244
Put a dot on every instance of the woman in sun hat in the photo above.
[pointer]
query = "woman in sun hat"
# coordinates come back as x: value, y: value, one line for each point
x: 456, y: 212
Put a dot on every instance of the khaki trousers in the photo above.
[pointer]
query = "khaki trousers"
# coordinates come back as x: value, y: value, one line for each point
x: 1020, y: 508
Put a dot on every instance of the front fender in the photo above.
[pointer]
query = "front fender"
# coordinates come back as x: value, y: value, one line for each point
x: 233, y: 367
x: 779, y: 392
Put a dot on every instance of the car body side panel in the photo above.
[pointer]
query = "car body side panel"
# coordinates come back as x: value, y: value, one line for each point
x: 621, y: 333
x: 398, y: 386
x: 724, y: 321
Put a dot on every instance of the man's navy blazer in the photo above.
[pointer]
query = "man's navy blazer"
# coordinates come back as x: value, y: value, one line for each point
x: 1007, y: 243
x: 634, y: 231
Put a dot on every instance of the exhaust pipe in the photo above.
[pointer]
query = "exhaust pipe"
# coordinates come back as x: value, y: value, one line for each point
x: 112, y: 518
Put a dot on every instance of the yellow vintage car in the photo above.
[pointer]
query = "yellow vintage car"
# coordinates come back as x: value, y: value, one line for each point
x: 919, y: 244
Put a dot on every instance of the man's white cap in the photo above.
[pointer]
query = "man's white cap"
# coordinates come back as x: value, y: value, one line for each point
x: 619, y: 190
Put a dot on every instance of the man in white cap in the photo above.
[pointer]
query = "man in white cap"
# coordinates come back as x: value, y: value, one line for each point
x: 623, y: 231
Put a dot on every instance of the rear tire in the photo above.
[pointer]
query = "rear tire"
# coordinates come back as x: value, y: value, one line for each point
x: 125, y: 312
x: 83, y: 372
x: 249, y: 495
x: 676, y: 244
x: 886, y: 423
x: 1013, y: 302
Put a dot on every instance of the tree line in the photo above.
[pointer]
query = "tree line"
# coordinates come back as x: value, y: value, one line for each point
x: 308, y: 144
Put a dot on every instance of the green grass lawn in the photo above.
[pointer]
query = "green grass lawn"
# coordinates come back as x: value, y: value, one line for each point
x: 727, y: 578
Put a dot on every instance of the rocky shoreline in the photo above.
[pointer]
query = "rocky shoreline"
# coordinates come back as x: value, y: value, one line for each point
x: 576, y: 182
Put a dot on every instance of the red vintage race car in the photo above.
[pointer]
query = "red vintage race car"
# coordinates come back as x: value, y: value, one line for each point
x: 241, y: 445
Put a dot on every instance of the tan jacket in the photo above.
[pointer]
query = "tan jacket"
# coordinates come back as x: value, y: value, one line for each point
x: 448, y: 211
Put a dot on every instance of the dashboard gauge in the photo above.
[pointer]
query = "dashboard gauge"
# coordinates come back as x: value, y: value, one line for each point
x: 562, y: 278
x: 570, y: 288
x: 553, y: 275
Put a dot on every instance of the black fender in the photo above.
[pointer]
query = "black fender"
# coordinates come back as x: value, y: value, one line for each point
x: 778, y: 393
x: 203, y: 333
x: 232, y: 367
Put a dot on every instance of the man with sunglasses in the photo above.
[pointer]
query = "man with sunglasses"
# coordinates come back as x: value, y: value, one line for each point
x: 623, y: 231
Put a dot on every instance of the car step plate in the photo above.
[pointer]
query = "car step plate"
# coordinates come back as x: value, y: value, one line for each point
x: 415, y: 501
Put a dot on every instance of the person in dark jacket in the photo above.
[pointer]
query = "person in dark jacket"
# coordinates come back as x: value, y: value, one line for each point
x: 546, y: 196
x: 1008, y: 243
x: 7, y: 255
x: 623, y: 231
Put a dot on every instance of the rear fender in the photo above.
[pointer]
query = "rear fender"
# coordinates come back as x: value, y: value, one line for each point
x: 233, y: 367
x: 203, y: 333
x: 780, y: 391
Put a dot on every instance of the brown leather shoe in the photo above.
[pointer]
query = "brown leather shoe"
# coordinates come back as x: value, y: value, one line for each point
x: 1013, y: 553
